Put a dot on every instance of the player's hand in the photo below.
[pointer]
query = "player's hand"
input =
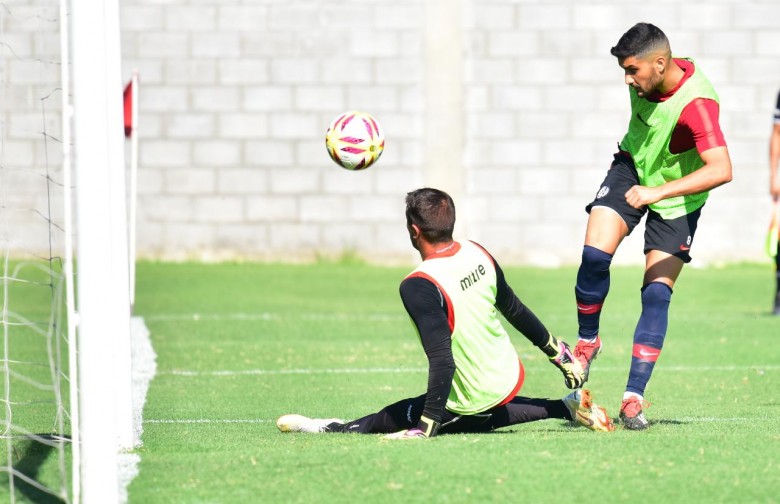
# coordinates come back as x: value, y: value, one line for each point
x: 639, y: 196
x: 573, y: 375
x: 426, y: 427
x: 406, y: 434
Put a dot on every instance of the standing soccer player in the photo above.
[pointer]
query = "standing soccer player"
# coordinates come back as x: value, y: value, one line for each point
x: 474, y: 373
x: 774, y: 190
x: 671, y: 156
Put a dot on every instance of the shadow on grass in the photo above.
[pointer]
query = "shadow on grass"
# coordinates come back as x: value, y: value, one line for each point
x: 31, y: 456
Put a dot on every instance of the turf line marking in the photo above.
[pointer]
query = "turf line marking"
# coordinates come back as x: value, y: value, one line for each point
x: 753, y: 367
x: 760, y: 369
x: 206, y: 421
x: 716, y: 419
x: 179, y: 372
x: 266, y: 316
x: 144, y: 369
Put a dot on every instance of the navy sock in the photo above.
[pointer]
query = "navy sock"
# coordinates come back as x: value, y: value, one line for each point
x: 777, y: 275
x: 777, y: 272
x: 649, y: 335
x: 591, y: 290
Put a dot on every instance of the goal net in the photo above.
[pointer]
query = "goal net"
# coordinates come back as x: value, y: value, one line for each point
x: 36, y: 429
x: 64, y: 358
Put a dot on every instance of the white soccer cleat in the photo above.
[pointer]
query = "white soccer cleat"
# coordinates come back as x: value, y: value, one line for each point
x: 584, y: 412
x: 300, y: 423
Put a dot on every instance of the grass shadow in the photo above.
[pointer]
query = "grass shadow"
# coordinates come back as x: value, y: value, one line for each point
x: 31, y: 455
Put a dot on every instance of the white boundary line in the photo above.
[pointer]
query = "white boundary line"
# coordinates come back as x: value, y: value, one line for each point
x: 207, y: 421
x: 144, y: 369
x: 267, y: 316
x: 760, y: 369
x: 182, y: 372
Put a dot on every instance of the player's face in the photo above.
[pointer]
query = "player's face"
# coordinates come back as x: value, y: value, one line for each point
x: 642, y: 74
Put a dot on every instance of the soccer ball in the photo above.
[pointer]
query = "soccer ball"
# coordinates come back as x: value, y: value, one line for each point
x: 355, y: 140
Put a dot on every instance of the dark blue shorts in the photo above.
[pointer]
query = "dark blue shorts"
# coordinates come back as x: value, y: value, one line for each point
x: 673, y: 236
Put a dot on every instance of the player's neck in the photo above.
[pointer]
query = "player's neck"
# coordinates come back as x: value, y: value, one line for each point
x: 674, y: 75
x: 429, y: 249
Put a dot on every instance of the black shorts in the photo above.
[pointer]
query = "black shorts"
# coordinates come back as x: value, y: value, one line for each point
x: 673, y: 236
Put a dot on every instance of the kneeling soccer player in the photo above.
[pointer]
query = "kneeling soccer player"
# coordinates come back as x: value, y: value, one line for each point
x: 474, y: 373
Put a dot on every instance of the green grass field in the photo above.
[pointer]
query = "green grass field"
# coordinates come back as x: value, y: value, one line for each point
x: 240, y: 344
x: 33, y: 340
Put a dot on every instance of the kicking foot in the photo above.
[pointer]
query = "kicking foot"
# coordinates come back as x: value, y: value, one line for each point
x: 586, y: 352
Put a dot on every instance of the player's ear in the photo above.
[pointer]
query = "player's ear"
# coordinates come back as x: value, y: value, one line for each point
x: 414, y: 231
x: 660, y: 63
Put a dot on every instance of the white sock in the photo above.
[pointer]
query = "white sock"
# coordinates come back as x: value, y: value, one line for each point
x: 629, y: 395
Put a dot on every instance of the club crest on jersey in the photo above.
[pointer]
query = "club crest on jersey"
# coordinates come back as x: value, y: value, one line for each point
x: 602, y: 192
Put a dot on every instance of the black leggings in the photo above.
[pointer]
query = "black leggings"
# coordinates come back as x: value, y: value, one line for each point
x: 406, y: 413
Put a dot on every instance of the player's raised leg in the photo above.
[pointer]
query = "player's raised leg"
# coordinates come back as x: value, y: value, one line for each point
x: 606, y: 230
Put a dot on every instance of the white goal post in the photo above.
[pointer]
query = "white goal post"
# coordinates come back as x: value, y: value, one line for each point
x: 103, y: 304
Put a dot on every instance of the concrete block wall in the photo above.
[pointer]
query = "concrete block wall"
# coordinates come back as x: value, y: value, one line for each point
x: 31, y: 208
x: 514, y: 107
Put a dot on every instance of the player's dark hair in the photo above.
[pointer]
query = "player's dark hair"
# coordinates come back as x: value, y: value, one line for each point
x: 641, y: 40
x: 433, y: 211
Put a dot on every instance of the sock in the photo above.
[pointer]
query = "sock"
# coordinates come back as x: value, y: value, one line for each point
x: 629, y: 395
x: 591, y: 290
x: 649, y: 335
x: 776, y: 307
x: 777, y: 274
x: 777, y: 284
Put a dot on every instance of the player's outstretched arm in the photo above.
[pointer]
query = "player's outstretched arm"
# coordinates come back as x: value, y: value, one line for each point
x: 517, y: 313
x: 524, y: 320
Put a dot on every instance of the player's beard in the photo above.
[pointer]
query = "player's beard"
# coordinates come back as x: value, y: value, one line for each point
x: 653, y: 82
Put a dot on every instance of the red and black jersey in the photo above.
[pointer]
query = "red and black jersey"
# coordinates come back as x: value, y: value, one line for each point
x: 698, y: 125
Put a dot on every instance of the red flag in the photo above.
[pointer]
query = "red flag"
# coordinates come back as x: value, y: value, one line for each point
x: 128, y: 100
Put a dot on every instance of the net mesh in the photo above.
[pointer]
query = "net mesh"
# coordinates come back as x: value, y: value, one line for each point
x: 34, y: 365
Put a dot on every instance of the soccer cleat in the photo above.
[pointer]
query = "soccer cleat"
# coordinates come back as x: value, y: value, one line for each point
x: 631, y: 415
x: 300, y: 423
x: 573, y: 374
x: 586, y: 352
x: 585, y: 412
